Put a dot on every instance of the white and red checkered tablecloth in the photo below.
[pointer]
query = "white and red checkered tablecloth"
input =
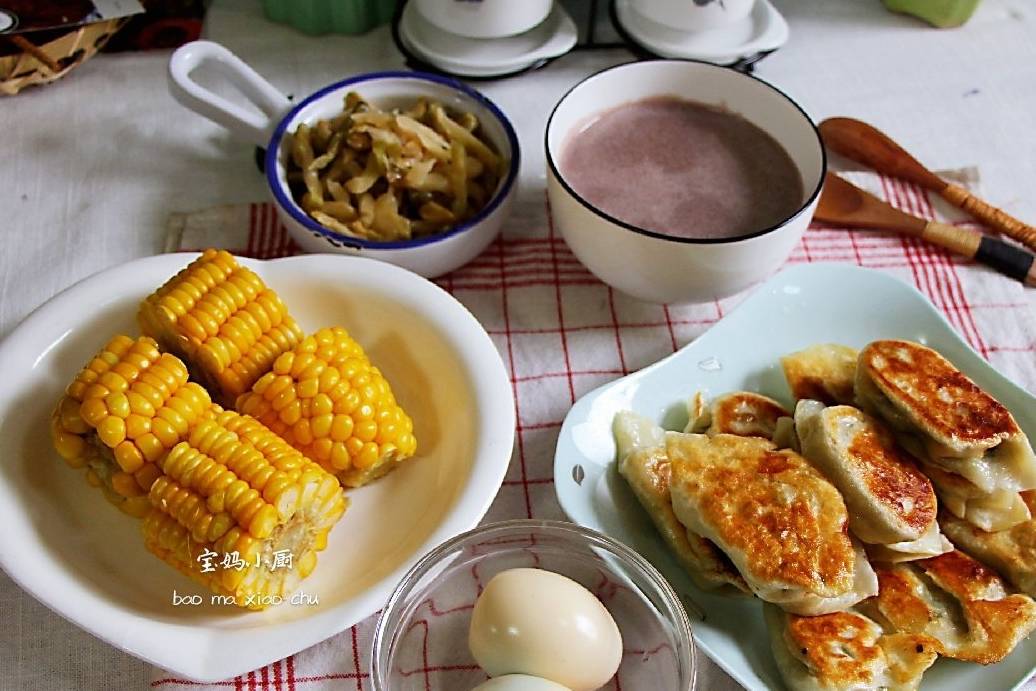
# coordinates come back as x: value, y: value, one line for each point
x: 562, y: 332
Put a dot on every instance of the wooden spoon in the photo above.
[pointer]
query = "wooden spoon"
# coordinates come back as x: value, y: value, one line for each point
x: 844, y: 204
x: 865, y: 144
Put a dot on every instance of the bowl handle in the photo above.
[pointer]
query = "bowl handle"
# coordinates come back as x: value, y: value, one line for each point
x: 246, y: 123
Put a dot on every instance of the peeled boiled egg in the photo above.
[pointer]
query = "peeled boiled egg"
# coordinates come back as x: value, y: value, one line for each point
x: 540, y: 623
x: 519, y: 682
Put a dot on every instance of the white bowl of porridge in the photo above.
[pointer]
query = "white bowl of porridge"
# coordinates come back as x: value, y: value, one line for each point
x: 677, y: 181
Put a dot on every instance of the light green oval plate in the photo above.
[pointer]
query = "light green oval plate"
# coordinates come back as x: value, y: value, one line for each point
x: 800, y: 306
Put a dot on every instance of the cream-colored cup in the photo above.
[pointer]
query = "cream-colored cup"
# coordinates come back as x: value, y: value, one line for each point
x: 484, y: 18
x: 693, y: 15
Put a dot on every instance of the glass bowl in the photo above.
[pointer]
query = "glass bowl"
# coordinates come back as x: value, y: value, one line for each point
x: 421, y: 641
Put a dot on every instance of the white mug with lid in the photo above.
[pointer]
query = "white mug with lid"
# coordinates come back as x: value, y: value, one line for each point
x: 693, y: 15
x: 484, y: 18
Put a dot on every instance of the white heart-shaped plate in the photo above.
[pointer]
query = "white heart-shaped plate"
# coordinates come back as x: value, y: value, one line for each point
x: 85, y: 560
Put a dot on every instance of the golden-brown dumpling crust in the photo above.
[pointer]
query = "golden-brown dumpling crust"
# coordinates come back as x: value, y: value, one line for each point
x: 934, y: 394
x: 777, y: 518
x: 908, y: 656
x: 824, y: 372
x: 891, y: 476
x: 912, y: 598
x: 845, y: 650
x: 746, y: 414
x: 839, y: 648
x: 890, y: 498
x: 647, y: 472
x: 1011, y: 552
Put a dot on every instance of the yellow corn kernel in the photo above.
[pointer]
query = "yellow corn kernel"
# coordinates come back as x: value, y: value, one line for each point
x: 321, y: 450
x: 112, y: 382
x: 368, y: 456
x: 302, y: 433
x: 150, y: 447
x: 220, y: 317
x: 291, y: 413
x: 138, y: 507
x: 125, y: 485
x: 342, y: 427
x: 328, y: 379
x: 93, y: 411
x: 137, y: 426
x: 175, y: 420
x: 321, y: 426
x: 347, y: 401
x: 106, y: 419
x: 129, y: 457
x: 330, y: 402
x: 322, y: 404
x: 146, y: 476
x: 159, y: 383
x: 340, y: 459
x: 306, y: 563
x: 72, y: 425
x: 70, y: 447
x: 309, y: 387
x: 366, y: 430
x: 71, y: 420
x: 128, y: 372
x: 111, y: 431
x: 140, y: 404
x: 353, y: 445
x: 232, y: 486
x: 153, y: 395
x: 165, y: 432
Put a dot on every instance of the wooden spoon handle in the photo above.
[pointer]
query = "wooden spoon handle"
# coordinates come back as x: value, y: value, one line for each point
x: 994, y: 253
x: 991, y: 215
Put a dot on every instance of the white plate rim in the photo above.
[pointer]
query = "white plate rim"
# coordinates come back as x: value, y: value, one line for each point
x: 566, y: 448
x: 492, y: 392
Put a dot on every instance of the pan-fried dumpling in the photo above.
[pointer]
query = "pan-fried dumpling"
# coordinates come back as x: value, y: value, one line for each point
x: 744, y: 413
x: 956, y: 600
x: 959, y: 427
x: 931, y: 544
x: 781, y: 523
x: 824, y: 372
x: 993, y: 511
x: 645, y: 467
x: 891, y: 503
x: 888, y: 498
x: 924, y: 394
x: 1011, y: 552
x: 845, y: 651
x: 785, y: 436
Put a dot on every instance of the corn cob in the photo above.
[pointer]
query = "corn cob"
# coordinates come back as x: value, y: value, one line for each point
x: 121, y: 414
x: 327, y: 400
x: 222, y: 320
x: 234, y: 488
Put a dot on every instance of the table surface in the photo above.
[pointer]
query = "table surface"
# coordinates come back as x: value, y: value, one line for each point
x: 94, y: 164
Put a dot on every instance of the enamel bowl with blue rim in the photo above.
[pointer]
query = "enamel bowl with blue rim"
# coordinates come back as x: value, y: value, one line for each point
x: 428, y: 256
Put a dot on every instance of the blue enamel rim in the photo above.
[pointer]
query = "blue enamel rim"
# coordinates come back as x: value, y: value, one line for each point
x: 283, y: 196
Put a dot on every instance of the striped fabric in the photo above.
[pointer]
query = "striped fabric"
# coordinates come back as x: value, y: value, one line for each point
x: 562, y: 333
